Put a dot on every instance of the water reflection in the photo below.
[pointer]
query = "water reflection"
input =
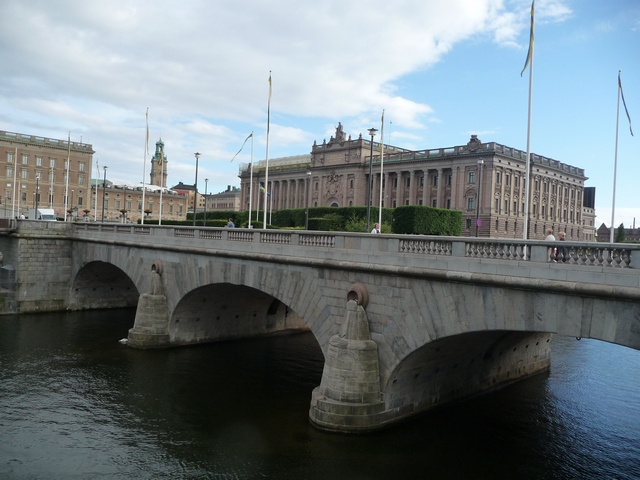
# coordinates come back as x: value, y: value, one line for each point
x: 74, y: 403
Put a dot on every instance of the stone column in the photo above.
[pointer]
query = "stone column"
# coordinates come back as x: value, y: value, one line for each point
x: 412, y: 187
x: 439, y: 197
x: 399, y: 189
x: 425, y: 188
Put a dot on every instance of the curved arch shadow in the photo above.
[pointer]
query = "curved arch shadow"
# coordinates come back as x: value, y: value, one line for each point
x: 225, y: 311
x: 99, y: 285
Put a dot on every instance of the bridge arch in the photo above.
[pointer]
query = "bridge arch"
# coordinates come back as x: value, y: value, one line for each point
x: 99, y: 284
x: 223, y: 311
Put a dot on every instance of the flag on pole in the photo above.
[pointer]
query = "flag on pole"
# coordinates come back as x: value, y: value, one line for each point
x: 243, y: 144
x: 262, y: 189
x: 624, y: 103
x: 530, y: 52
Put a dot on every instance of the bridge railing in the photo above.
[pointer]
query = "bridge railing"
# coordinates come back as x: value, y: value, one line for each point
x: 358, y: 244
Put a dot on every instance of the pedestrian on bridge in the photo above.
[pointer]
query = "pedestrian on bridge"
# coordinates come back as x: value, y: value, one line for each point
x: 552, y: 251
x: 231, y: 224
x: 376, y: 228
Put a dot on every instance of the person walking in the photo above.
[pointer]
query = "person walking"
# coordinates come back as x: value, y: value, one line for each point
x: 376, y: 228
x: 231, y: 224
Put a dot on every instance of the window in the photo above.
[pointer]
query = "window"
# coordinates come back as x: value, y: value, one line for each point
x: 496, y: 205
x: 406, y: 202
x: 9, y: 172
x: 537, y: 185
x: 170, y: 208
x: 535, y: 209
x: 351, y: 183
x: 497, y: 225
x: 80, y: 179
x: 52, y: 162
x: 421, y: 181
x: 516, y: 182
x: 9, y: 157
x: 38, y: 161
x: 449, y: 203
x: 315, y: 186
x: 395, y: 182
x: 51, y: 176
x: 25, y: 159
x: 450, y: 180
x: 472, y: 177
x: 507, y: 178
x: 420, y: 202
x: 506, y: 206
x: 79, y: 201
x: 515, y: 208
x: 117, y: 204
x: 506, y: 225
x: 498, y: 177
x: 435, y: 181
x: 25, y: 174
x: 471, y: 201
x: 544, y: 210
x: 24, y: 196
x: 468, y: 223
x: 81, y: 167
x: 408, y: 181
x: 434, y: 203
x: 106, y: 204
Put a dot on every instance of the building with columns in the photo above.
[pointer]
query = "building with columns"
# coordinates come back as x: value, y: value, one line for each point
x: 485, y: 181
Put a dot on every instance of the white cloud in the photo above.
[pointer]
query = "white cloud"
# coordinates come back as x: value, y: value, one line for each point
x: 201, y: 67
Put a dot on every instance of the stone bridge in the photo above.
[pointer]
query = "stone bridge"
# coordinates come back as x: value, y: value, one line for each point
x: 405, y: 323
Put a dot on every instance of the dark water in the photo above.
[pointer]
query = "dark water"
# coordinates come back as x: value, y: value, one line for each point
x: 75, y: 404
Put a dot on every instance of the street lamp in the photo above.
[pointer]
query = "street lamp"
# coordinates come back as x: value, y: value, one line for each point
x: 206, y: 183
x: 104, y: 188
x: 480, y: 163
x: 306, y: 219
x: 372, y: 132
x: 37, y: 190
x: 195, y: 185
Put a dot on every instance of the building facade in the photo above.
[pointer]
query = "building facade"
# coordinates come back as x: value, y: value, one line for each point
x: 485, y: 181
x: 224, y: 201
x: 35, y: 171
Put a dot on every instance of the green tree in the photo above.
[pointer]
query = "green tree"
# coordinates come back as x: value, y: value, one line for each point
x: 620, y: 234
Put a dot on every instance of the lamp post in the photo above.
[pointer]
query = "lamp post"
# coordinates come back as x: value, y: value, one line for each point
x: 206, y: 184
x: 480, y: 163
x: 71, y: 206
x: 372, y: 132
x: 37, y: 190
x: 306, y: 218
x: 195, y: 194
x: 104, y: 188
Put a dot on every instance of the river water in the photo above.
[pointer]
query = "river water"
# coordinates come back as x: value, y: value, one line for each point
x: 75, y: 404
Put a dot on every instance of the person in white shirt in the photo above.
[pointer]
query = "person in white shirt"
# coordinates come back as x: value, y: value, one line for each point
x: 376, y: 228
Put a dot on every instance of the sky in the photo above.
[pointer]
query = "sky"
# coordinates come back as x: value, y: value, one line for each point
x: 440, y: 69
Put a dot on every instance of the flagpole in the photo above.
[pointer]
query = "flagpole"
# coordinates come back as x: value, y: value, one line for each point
x: 381, y: 171
x: 527, y: 189
x: 144, y: 168
x: 15, y: 186
x: 95, y: 203
x: 251, y: 182
x: 266, y: 173
x: 66, y: 188
x: 615, y: 164
x: 161, y: 185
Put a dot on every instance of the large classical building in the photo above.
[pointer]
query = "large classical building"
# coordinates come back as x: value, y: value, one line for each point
x: 35, y: 172
x: 485, y: 181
